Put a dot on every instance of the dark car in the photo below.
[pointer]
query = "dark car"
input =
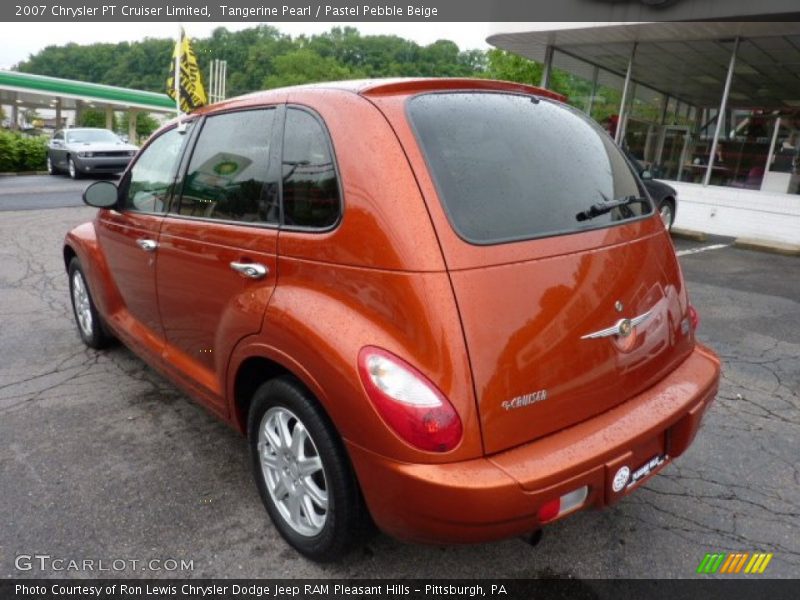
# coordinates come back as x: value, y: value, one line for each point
x: 88, y: 151
x: 664, y: 196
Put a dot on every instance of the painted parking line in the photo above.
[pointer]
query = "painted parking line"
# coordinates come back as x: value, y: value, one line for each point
x: 702, y: 249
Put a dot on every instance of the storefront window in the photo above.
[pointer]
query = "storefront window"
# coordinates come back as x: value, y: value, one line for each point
x: 783, y: 166
x: 673, y: 104
x: 573, y: 78
x: 607, y: 98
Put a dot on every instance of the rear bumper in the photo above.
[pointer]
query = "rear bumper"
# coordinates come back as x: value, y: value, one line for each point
x: 498, y: 496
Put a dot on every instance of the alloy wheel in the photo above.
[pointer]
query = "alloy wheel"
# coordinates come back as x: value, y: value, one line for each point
x: 83, y: 309
x: 293, y: 471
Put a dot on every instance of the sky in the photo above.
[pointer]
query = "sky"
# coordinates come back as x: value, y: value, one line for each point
x: 20, y: 40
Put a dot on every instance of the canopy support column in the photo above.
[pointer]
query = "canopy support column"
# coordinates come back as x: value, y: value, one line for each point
x: 623, y: 105
x: 132, y: 114
x: 548, y: 67
x: 721, y: 114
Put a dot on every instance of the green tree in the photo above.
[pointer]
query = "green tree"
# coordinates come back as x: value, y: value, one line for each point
x: 260, y: 56
x: 145, y: 125
x: 93, y: 117
x: 304, y: 66
x: 512, y: 67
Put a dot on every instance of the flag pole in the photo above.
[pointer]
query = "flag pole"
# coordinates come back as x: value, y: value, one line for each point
x: 177, y: 78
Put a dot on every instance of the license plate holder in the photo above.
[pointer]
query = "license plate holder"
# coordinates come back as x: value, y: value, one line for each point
x: 644, y: 471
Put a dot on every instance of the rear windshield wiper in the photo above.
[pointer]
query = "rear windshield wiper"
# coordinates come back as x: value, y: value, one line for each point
x: 602, y: 208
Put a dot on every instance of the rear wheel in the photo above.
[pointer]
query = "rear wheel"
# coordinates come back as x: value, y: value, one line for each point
x: 302, y: 471
x: 90, y: 326
x: 666, y: 211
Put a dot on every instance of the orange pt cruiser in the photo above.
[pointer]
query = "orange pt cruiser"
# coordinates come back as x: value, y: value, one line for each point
x: 444, y: 305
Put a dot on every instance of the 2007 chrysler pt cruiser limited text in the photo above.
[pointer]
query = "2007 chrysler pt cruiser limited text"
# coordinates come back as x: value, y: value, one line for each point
x: 446, y: 306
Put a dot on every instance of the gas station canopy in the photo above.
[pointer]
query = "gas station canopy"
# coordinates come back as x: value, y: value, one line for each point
x: 687, y: 61
x: 24, y: 90
x: 38, y: 91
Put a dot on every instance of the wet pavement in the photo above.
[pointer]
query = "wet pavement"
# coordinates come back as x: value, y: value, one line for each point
x: 101, y: 458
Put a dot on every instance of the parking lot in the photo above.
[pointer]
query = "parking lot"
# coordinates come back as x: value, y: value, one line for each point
x: 101, y: 458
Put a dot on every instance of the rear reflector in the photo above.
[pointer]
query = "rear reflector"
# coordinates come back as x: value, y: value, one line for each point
x: 549, y: 510
x: 561, y: 506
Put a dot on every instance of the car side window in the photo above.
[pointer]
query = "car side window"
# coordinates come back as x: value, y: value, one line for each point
x: 310, y: 187
x: 59, y: 136
x: 228, y: 176
x: 150, y: 183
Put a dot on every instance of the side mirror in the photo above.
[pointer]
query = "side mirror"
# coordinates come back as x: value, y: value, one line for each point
x: 646, y: 175
x: 101, y: 194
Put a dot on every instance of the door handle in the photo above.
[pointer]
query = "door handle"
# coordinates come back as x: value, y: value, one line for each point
x: 251, y: 270
x: 147, y: 245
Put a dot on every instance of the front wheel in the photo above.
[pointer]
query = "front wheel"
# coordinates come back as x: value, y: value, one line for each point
x: 73, y: 169
x: 302, y: 471
x: 90, y: 327
x: 51, y: 169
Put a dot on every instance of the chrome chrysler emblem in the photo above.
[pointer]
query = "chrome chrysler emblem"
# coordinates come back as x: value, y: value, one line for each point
x: 625, y: 328
x: 622, y: 328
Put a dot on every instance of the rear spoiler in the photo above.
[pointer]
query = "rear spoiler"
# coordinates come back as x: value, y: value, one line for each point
x: 406, y: 86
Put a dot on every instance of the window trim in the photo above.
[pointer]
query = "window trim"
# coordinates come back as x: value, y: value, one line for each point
x: 278, y: 138
x: 523, y: 238
x: 183, y: 167
x: 125, y: 179
x: 331, y: 149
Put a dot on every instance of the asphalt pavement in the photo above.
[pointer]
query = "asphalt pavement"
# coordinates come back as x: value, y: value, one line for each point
x: 101, y: 458
x: 32, y: 192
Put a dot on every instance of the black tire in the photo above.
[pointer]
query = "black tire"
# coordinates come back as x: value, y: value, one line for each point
x: 72, y: 169
x: 92, y: 331
x: 666, y: 209
x: 345, y: 520
x: 51, y: 168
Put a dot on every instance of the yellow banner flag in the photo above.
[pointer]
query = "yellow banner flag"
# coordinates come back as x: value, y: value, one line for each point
x: 190, y: 82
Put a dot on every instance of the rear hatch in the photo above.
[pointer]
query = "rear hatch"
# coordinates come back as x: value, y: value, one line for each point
x: 567, y: 311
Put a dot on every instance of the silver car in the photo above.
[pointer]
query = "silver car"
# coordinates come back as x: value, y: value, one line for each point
x: 88, y: 151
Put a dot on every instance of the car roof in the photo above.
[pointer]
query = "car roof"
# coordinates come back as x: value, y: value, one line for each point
x: 390, y: 86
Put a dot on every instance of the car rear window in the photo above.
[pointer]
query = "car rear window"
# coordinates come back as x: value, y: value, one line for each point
x: 511, y: 167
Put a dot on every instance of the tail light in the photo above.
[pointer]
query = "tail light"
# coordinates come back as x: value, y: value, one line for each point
x: 694, y: 318
x: 409, y: 403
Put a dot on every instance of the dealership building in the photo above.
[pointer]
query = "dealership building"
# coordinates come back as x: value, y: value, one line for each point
x: 711, y: 107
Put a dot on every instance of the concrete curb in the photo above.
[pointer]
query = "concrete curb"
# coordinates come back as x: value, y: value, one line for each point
x: 688, y: 234
x: 23, y: 174
x: 767, y: 246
